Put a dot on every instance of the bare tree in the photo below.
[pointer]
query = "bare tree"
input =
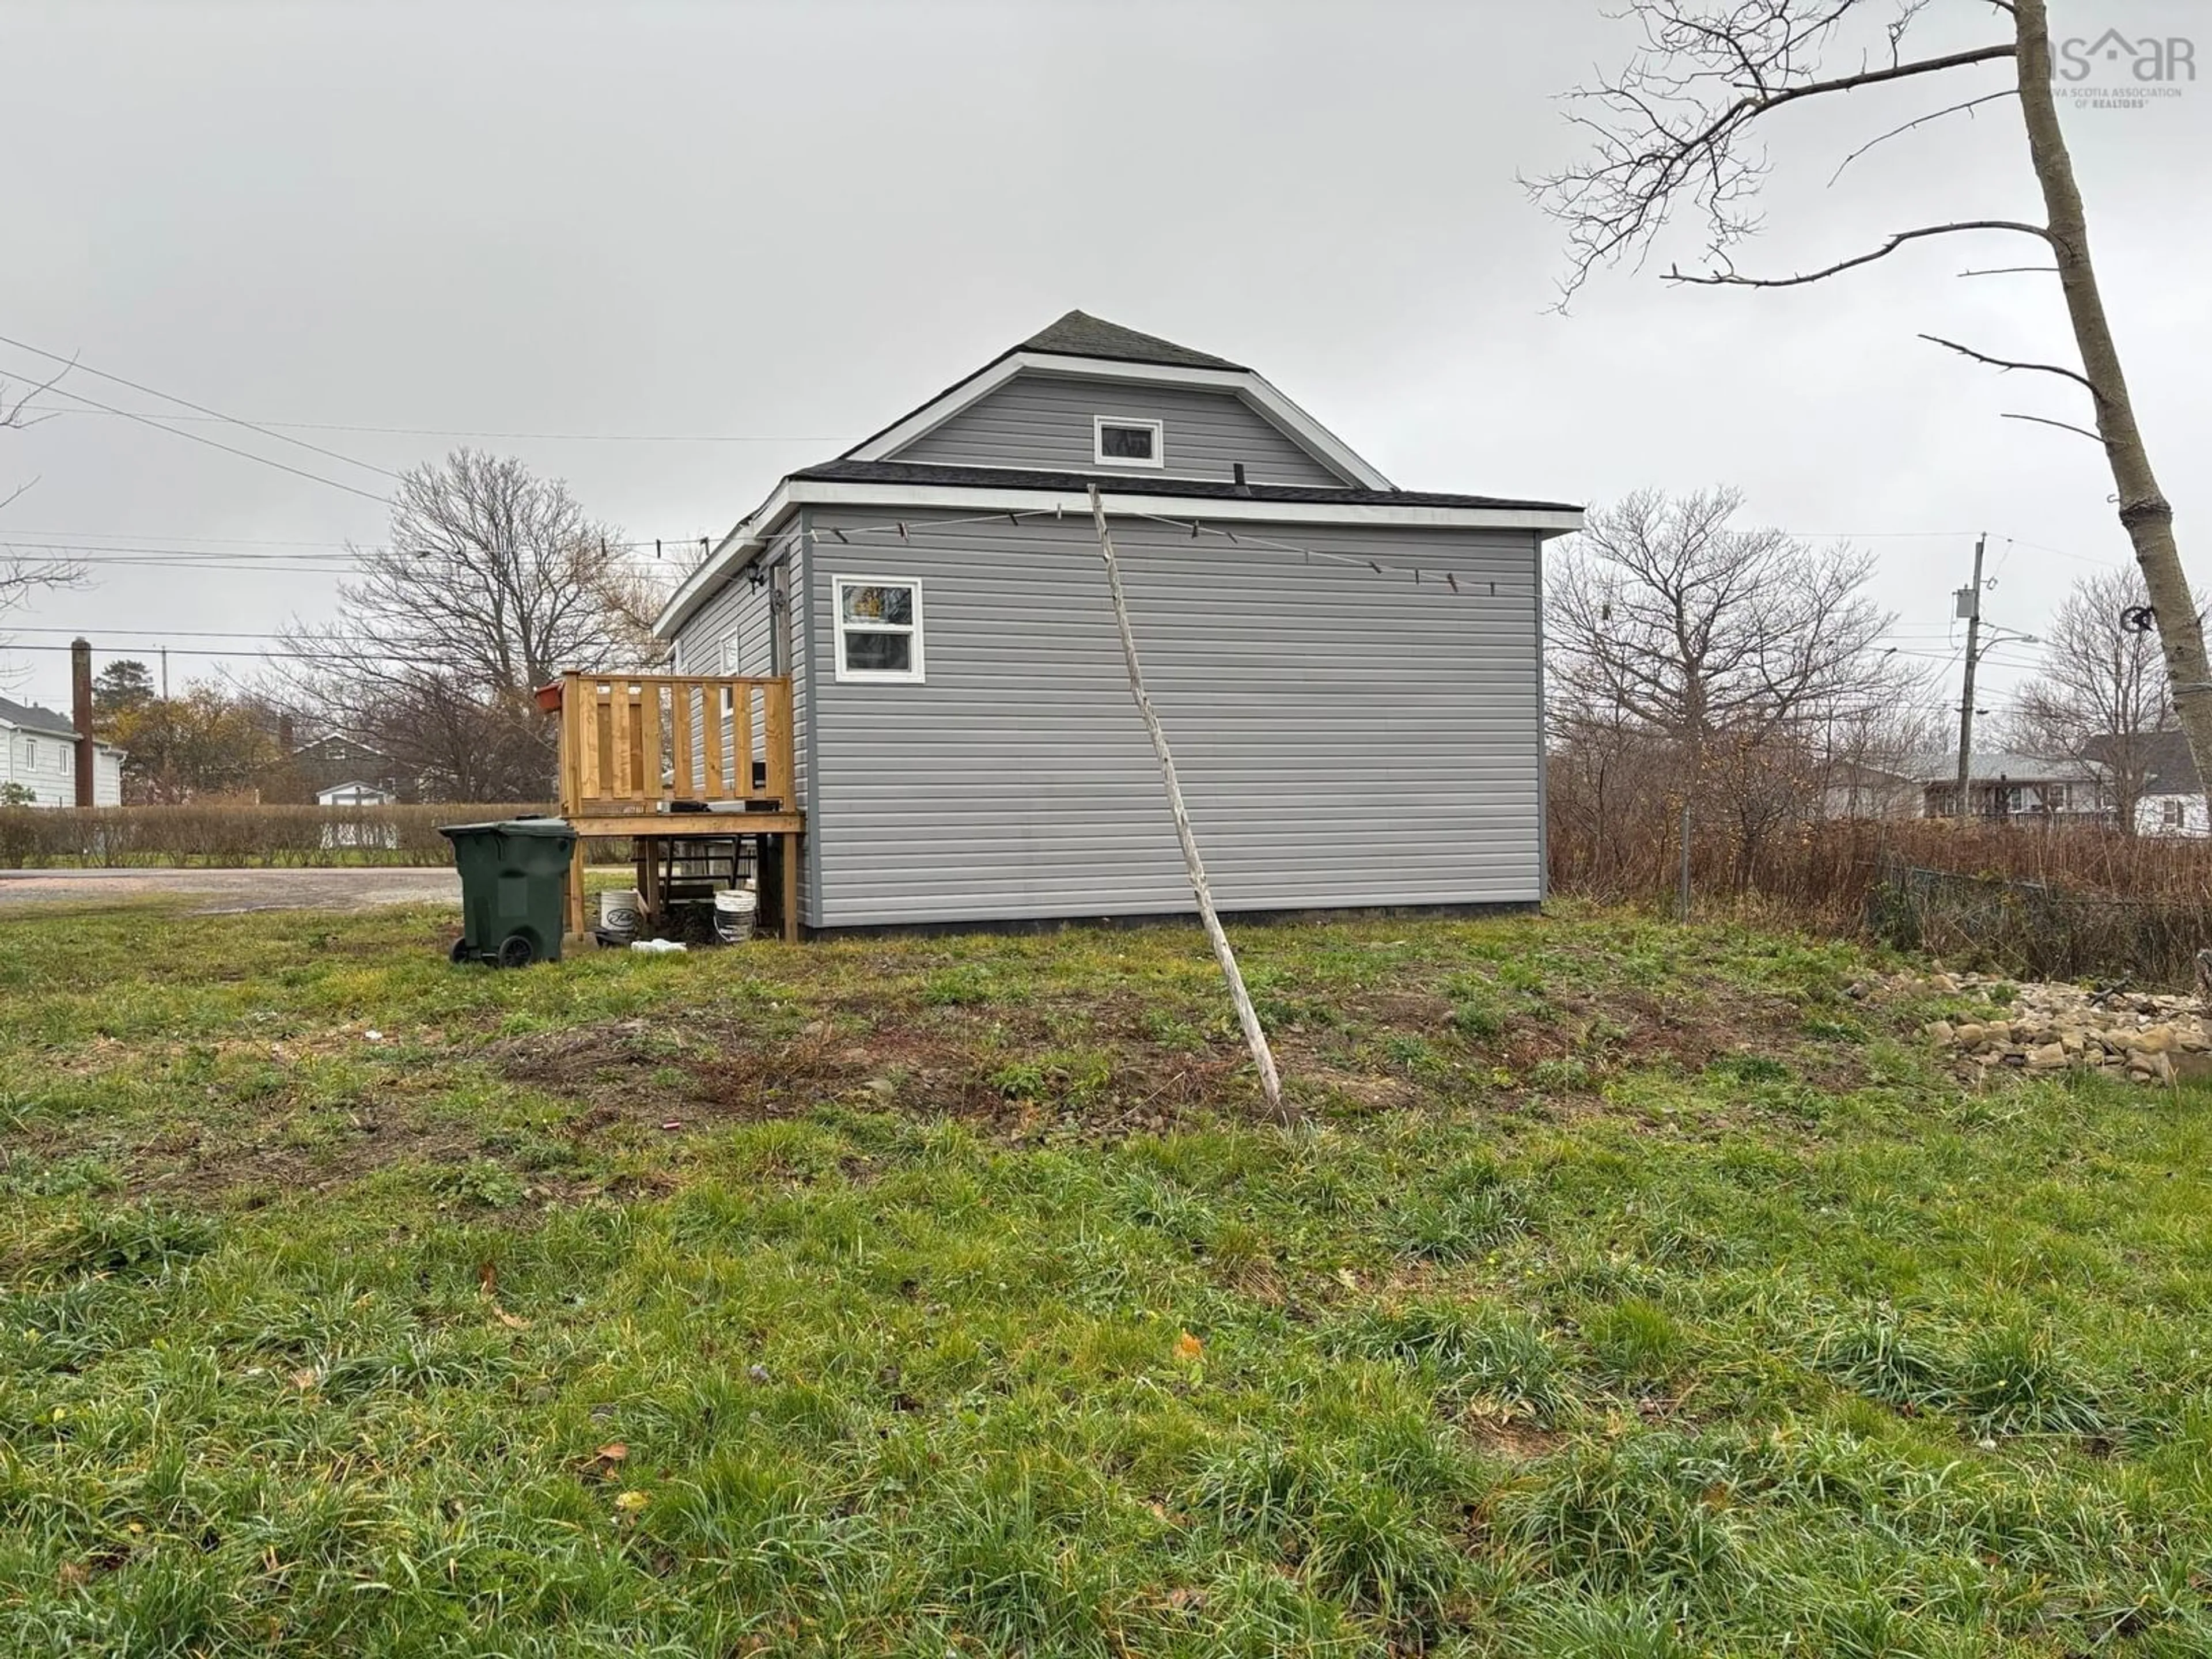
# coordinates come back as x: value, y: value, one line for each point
x: 1679, y: 125
x: 494, y: 581
x: 1688, y: 627
x: 2101, y: 698
x: 1690, y: 657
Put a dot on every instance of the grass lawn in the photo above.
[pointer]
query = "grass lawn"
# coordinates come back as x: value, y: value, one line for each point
x: 1631, y: 1292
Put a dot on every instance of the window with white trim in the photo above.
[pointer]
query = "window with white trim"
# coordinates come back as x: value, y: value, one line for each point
x: 1118, y: 442
x: 31, y: 753
x: 2173, y: 812
x: 878, y: 622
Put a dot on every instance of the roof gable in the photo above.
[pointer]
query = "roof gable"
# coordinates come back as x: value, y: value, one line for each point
x: 1078, y: 334
x: 1106, y: 351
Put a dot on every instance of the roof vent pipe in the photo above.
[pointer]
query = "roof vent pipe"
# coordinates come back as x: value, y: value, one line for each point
x: 1242, y: 488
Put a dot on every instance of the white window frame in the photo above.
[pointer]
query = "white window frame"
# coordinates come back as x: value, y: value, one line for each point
x: 912, y: 675
x: 31, y: 753
x: 1098, y: 455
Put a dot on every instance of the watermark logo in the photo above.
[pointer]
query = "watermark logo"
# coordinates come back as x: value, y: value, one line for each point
x: 2115, y: 72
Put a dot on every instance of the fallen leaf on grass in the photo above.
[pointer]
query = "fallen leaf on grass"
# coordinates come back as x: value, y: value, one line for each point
x: 605, y: 1459
x: 513, y: 1321
x: 304, y: 1379
x: 1188, y: 1347
x: 627, y: 1506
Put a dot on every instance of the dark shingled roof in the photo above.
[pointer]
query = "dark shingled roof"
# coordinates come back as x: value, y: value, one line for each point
x: 29, y: 717
x: 1001, y: 478
x: 2164, y: 756
x: 1080, y: 335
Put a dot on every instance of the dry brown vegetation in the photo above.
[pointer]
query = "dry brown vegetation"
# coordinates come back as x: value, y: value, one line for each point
x: 220, y: 837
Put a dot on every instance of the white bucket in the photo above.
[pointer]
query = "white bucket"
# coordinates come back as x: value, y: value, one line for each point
x: 733, y: 915
x: 618, y: 908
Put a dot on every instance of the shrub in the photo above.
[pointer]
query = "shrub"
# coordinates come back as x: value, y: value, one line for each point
x: 237, y: 835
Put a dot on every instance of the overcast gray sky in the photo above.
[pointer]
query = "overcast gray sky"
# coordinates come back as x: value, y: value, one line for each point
x: 728, y: 240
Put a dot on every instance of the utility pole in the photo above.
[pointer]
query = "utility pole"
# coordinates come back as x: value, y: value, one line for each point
x: 1970, y: 607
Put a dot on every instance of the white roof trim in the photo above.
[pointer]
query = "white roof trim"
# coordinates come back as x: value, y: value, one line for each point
x: 733, y: 553
x: 1252, y: 389
x: 753, y: 534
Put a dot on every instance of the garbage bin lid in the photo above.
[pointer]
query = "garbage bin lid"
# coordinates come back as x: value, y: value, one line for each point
x: 550, y: 829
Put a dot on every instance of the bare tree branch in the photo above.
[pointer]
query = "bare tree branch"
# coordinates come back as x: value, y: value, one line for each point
x: 2011, y: 270
x: 2002, y: 363
x: 1918, y: 121
x: 20, y: 577
x: 2063, y: 426
x: 1675, y: 123
x: 1730, y: 279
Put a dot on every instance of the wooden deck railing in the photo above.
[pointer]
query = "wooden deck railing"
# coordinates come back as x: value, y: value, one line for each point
x: 630, y: 743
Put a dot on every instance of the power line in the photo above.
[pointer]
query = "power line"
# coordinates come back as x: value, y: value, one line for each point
x: 453, y: 432
x: 165, y: 633
x: 271, y: 655
x: 228, y: 449
x: 172, y: 397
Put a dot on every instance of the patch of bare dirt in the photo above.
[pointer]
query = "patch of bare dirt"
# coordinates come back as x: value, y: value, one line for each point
x: 1514, y: 1439
x: 1007, y: 1074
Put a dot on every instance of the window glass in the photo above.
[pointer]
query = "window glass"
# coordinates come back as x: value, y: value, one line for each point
x: 871, y: 603
x: 878, y: 629
x: 1131, y: 443
x: 879, y: 654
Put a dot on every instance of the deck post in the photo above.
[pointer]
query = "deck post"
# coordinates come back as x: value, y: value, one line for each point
x: 790, y: 900
x: 577, y: 920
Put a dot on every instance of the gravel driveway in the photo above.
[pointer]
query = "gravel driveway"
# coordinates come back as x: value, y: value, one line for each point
x: 226, y: 890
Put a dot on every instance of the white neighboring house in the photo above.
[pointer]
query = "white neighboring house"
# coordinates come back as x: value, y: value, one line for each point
x: 355, y: 794
x: 38, y: 751
x: 2172, y: 800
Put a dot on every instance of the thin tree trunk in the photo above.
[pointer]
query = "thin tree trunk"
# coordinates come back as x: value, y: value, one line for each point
x: 2145, y: 512
x: 1256, y: 1038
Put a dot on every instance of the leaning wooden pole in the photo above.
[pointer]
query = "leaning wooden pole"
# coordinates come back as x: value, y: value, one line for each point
x: 1256, y: 1037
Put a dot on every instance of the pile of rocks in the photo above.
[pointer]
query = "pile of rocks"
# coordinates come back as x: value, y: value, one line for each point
x: 2044, y: 1027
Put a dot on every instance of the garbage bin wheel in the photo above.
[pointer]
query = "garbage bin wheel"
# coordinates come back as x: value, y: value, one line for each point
x: 461, y: 953
x: 516, y: 950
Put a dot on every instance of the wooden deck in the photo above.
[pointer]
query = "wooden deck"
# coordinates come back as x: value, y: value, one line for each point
x: 657, y: 759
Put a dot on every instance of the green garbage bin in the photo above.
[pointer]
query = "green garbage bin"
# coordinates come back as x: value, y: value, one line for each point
x: 515, y: 875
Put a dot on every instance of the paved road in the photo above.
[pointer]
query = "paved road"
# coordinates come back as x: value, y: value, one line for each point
x: 226, y: 890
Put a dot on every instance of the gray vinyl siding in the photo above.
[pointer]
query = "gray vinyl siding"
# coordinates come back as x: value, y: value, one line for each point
x: 1343, y: 739
x: 731, y: 633
x: 1044, y: 423
x: 734, y: 633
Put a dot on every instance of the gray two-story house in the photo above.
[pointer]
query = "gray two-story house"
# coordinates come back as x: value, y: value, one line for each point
x: 1350, y: 673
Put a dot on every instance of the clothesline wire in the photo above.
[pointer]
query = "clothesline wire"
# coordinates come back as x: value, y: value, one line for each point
x: 1462, y: 584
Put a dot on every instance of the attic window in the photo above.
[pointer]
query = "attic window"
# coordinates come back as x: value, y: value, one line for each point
x: 1128, y: 443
